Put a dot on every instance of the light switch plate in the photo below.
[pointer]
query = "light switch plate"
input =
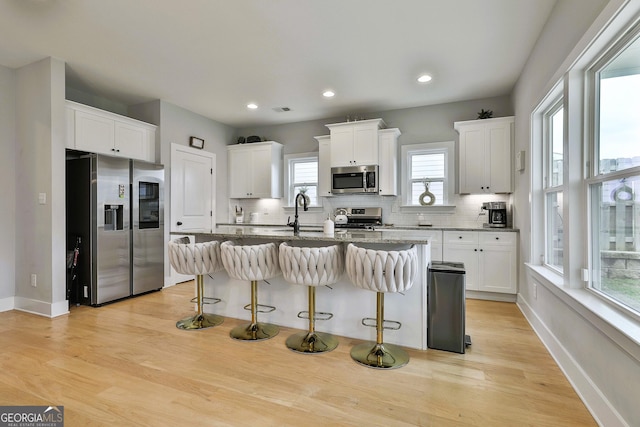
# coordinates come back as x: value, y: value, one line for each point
x: 42, y: 198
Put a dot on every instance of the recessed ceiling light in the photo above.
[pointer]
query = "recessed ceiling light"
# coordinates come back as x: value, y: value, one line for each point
x: 424, y: 78
x: 252, y: 106
x: 328, y: 93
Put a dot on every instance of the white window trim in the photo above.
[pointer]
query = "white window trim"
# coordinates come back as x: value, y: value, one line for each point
x: 448, y: 147
x: 552, y: 107
x: 613, y: 319
x: 287, y: 175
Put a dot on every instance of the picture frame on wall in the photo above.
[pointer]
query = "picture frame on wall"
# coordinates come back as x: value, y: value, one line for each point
x: 196, y: 142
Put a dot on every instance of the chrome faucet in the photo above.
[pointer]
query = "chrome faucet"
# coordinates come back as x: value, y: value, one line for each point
x: 295, y: 224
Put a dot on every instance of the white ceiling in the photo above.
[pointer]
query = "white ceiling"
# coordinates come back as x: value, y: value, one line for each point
x: 214, y: 56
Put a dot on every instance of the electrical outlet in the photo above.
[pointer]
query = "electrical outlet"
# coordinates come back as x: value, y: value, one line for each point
x: 34, y: 280
x: 86, y: 291
x: 535, y: 291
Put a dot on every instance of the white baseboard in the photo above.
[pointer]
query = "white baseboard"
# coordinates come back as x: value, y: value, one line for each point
x: 490, y: 296
x: 595, y: 401
x: 41, y: 308
x: 7, y: 304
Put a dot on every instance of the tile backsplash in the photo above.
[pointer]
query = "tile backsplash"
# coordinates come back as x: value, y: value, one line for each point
x: 464, y: 211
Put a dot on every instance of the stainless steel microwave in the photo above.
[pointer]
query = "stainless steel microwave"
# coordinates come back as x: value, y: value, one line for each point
x: 354, y: 179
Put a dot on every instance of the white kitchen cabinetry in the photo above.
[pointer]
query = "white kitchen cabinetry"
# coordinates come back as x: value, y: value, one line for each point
x: 355, y: 143
x: 490, y: 258
x: 97, y: 131
x: 485, y: 155
x: 324, y: 165
x: 255, y: 170
x: 388, y: 154
x: 435, y: 243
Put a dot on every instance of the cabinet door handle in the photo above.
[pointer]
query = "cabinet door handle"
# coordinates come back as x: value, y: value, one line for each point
x: 459, y: 237
x: 497, y: 238
x: 475, y: 250
x: 480, y: 250
x: 179, y: 223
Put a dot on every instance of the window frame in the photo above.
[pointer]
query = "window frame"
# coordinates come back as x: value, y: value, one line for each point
x: 289, y: 161
x: 445, y: 147
x: 593, y: 176
x: 555, y: 104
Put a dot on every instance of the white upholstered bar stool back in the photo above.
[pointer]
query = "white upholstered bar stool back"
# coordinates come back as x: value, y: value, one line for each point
x: 252, y: 263
x: 312, y: 267
x: 197, y: 259
x: 381, y: 271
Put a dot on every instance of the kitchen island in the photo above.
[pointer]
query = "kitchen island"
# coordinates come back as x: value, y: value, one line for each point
x: 347, y: 303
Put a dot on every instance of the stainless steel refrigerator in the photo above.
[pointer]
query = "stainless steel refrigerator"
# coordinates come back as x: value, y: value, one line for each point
x: 115, y: 206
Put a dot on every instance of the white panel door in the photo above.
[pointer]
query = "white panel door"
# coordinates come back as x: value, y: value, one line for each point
x: 192, y: 189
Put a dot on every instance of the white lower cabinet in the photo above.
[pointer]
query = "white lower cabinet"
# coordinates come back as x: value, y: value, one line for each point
x: 490, y: 258
x: 435, y: 243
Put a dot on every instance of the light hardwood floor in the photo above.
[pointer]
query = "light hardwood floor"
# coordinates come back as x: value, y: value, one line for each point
x: 127, y: 364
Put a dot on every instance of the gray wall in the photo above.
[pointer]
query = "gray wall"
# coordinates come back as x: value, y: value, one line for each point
x: 40, y: 142
x: 8, y: 187
x: 421, y: 124
x: 598, y: 359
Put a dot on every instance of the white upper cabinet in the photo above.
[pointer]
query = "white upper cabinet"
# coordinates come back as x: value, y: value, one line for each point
x: 97, y: 131
x: 324, y: 165
x: 388, y: 171
x: 355, y: 143
x: 485, y: 155
x: 255, y: 170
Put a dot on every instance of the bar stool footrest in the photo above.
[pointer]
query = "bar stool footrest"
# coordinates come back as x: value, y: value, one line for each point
x: 372, y: 323
x: 318, y: 315
x: 206, y: 300
x: 261, y: 308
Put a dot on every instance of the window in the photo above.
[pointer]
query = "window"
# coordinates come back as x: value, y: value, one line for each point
x: 302, y: 176
x: 614, y: 180
x: 428, y: 168
x: 553, y: 139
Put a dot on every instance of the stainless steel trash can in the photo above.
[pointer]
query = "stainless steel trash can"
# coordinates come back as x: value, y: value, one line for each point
x: 446, y: 307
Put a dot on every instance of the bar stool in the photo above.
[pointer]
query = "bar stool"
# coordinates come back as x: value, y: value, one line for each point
x: 312, y: 267
x: 381, y: 271
x: 253, y: 263
x: 197, y: 259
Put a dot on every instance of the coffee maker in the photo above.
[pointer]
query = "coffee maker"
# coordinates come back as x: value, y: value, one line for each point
x: 497, y: 214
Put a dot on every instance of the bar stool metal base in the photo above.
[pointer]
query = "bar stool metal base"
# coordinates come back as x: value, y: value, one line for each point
x: 379, y: 356
x: 200, y: 321
x: 254, y: 332
x: 311, y: 342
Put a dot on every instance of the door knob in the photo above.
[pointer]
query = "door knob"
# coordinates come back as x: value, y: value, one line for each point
x: 179, y: 223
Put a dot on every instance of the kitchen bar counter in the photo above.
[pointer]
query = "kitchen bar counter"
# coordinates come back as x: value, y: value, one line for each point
x: 348, y: 304
x: 403, y: 228
x: 283, y: 233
